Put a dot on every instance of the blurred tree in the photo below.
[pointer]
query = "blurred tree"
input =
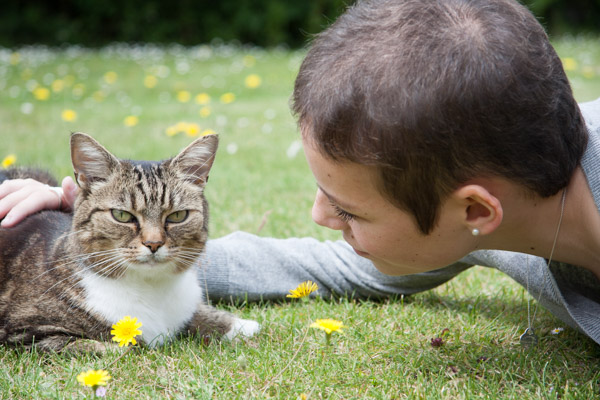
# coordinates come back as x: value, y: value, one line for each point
x: 260, y: 22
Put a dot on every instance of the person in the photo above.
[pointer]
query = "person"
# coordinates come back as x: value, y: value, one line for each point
x: 441, y: 135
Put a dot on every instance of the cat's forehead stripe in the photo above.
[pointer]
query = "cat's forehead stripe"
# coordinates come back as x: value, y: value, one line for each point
x: 150, y: 185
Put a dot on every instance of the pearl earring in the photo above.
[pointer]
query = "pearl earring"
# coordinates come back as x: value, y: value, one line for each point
x: 475, y: 232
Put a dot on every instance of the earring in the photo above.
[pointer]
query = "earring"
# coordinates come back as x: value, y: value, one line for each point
x: 475, y: 232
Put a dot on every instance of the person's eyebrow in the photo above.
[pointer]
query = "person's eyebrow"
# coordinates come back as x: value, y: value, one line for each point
x: 336, y: 201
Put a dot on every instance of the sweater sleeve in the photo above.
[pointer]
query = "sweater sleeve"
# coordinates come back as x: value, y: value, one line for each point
x: 242, y: 266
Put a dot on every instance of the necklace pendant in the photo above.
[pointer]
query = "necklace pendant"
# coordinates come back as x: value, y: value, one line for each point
x: 528, y: 339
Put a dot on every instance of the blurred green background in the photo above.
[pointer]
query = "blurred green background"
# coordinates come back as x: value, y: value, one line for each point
x: 190, y: 22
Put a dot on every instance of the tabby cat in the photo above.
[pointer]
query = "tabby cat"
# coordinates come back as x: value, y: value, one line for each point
x: 131, y: 247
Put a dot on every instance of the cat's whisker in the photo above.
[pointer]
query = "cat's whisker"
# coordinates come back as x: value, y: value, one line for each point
x: 76, y: 259
x: 78, y: 272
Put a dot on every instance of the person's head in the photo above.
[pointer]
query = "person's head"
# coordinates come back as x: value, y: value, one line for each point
x: 432, y: 94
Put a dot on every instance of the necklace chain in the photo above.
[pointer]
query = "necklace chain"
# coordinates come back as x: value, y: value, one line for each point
x: 529, y: 338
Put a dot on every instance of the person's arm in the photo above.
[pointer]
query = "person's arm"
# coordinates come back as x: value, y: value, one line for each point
x: 242, y: 266
x: 22, y: 197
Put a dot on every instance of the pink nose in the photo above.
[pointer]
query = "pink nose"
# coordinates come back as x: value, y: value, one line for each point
x: 153, y: 246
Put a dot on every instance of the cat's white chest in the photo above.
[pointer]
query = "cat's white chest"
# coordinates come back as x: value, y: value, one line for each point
x: 163, y: 306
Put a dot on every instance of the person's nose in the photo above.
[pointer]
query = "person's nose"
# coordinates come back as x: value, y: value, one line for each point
x: 324, y: 214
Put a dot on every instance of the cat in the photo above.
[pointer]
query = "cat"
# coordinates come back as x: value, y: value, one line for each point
x: 131, y: 247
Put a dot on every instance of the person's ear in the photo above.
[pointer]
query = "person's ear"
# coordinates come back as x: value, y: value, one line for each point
x: 482, y: 210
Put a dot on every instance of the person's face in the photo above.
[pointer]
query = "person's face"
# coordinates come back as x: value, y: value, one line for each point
x: 348, y: 200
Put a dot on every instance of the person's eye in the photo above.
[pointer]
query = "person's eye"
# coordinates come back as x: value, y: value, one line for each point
x: 122, y: 216
x: 343, y: 215
x: 177, y: 216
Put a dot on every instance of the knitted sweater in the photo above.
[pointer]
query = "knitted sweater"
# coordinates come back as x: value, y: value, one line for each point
x: 248, y: 267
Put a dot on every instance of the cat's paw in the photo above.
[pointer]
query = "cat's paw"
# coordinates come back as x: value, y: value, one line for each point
x: 242, y: 328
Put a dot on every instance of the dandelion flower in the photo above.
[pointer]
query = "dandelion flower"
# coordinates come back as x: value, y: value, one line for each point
x: 99, y: 95
x: 202, y: 98
x: 252, y: 81
x: 126, y: 330
x: 58, y: 85
x: 227, y: 98
x: 303, y: 289
x: 150, y: 81
x: 588, y: 72
x: 204, y: 112
x: 183, y: 96
x: 171, y: 131
x: 556, y: 331
x: 131, y: 120
x: 93, y: 378
x: 9, y: 160
x: 192, y: 130
x: 110, y: 77
x: 328, y: 325
x: 249, y: 61
x: 68, y: 115
x: 207, y: 132
x: 41, y: 93
x: 569, y: 64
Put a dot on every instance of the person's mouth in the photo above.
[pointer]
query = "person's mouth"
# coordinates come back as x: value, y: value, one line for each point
x: 361, y: 253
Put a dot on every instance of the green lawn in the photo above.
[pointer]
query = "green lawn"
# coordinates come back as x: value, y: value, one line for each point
x: 385, y: 352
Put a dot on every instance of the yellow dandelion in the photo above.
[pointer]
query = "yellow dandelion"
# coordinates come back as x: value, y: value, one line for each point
x: 171, y: 131
x: 110, y: 77
x: 252, y: 81
x: 204, y: 112
x: 202, y: 98
x: 328, y: 325
x: 588, y: 72
x: 207, y: 132
x: 150, y: 81
x: 227, y: 98
x: 569, y: 64
x: 41, y: 93
x: 192, y: 130
x: 181, y: 126
x: 183, y: 96
x: 98, y: 96
x: 58, y: 85
x: 131, y: 120
x: 9, y: 160
x: 68, y: 115
x: 93, y: 378
x: 249, y: 61
x: 303, y: 290
x: 126, y: 330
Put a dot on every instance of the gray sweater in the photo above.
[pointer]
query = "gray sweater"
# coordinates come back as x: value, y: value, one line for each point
x: 245, y: 266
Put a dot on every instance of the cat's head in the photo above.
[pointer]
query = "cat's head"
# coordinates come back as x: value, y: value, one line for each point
x: 146, y: 217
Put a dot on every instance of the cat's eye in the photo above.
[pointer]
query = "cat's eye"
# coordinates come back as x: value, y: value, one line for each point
x: 122, y: 216
x: 177, y: 216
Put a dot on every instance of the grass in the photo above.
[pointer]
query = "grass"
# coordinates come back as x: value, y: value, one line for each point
x: 384, y: 353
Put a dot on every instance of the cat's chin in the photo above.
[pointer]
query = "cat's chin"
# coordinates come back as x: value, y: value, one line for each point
x: 154, y: 267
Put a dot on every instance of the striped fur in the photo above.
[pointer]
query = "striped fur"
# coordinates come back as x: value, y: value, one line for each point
x: 66, y: 277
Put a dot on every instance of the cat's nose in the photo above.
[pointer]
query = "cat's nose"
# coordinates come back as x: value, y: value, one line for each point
x: 153, y: 246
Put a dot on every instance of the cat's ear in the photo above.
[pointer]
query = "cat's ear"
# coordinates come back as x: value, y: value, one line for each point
x: 91, y: 161
x: 196, y: 160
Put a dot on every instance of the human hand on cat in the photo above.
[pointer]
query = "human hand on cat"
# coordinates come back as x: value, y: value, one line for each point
x: 20, y: 198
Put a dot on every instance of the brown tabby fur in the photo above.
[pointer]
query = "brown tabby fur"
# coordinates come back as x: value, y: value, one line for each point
x: 43, y: 259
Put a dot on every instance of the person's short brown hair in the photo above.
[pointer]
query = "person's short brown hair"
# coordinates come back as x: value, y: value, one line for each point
x: 434, y: 93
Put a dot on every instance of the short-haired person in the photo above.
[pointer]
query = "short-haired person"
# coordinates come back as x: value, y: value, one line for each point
x: 442, y: 134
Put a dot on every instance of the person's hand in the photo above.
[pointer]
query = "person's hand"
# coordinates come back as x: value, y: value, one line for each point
x: 20, y: 198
